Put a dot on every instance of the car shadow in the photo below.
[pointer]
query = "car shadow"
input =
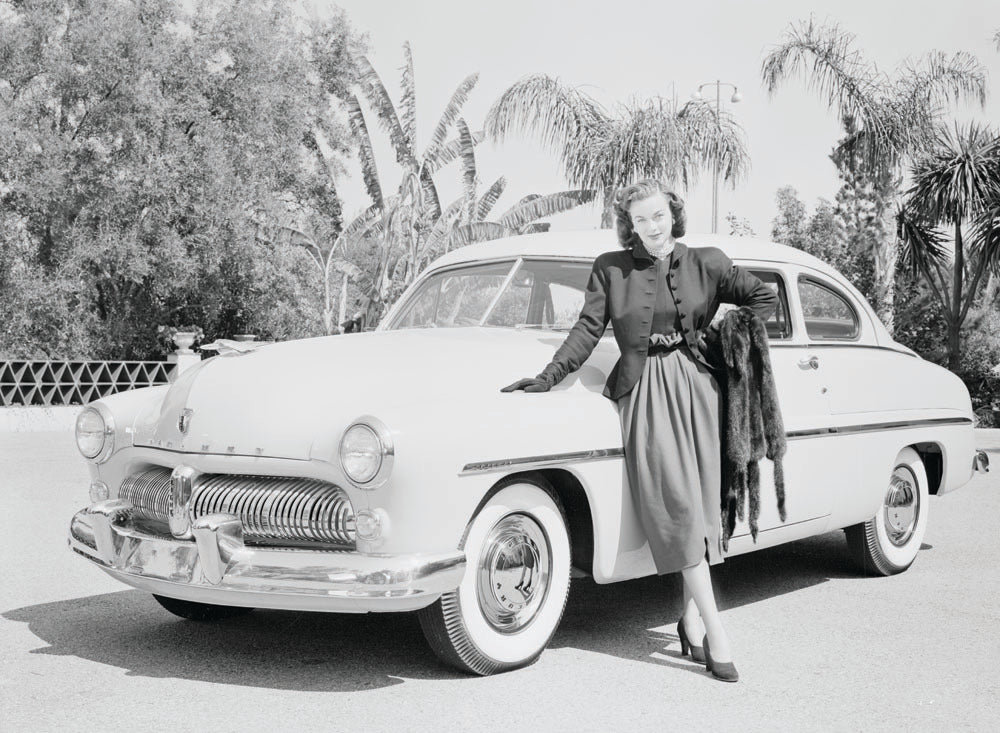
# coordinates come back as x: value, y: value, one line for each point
x: 292, y: 650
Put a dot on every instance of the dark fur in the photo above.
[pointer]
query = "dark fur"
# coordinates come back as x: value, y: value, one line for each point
x: 752, y: 424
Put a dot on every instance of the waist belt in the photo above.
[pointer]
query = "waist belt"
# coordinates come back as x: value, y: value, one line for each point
x: 662, y: 343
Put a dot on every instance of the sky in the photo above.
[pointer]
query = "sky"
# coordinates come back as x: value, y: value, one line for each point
x: 630, y: 48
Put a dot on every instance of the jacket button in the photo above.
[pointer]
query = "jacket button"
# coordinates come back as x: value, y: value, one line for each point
x: 677, y: 263
x: 682, y: 315
x: 677, y: 301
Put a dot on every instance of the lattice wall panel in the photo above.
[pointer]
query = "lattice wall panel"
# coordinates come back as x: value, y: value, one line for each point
x: 46, y: 383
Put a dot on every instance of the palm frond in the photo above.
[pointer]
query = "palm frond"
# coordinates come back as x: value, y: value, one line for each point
x: 825, y: 58
x: 543, y: 206
x: 366, y: 155
x: 443, y: 224
x: 408, y: 100
x: 489, y: 199
x: 477, y: 231
x: 710, y: 139
x: 561, y: 117
x: 448, y: 152
x: 959, y: 177
x: 377, y: 96
x: 996, y: 39
x: 922, y: 247
x: 984, y: 236
x: 450, y: 114
x: 469, y: 173
x: 535, y: 227
x: 431, y: 199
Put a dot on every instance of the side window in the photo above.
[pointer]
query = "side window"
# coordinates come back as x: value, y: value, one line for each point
x: 779, y: 325
x: 829, y: 316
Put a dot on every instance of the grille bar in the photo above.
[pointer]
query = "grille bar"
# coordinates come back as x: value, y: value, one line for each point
x: 148, y: 493
x: 270, y: 507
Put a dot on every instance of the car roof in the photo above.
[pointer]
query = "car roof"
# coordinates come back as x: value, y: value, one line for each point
x: 589, y: 244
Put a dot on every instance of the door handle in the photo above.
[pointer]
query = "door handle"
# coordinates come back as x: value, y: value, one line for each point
x: 809, y: 362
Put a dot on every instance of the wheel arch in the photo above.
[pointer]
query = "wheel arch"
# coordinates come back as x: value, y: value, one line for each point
x: 571, y: 494
x: 932, y: 456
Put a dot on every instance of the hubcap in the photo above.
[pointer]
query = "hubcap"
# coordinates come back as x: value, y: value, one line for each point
x: 513, y: 573
x: 902, y: 506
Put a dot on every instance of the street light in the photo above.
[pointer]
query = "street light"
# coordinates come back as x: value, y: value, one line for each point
x: 735, y: 99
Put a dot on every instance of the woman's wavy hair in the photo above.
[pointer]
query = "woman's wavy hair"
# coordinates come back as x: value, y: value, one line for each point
x: 639, y: 190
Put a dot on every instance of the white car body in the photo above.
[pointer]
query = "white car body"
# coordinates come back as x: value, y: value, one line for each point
x: 850, y: 408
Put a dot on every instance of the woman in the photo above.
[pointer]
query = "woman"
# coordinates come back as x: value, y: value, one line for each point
x: 661, y: 297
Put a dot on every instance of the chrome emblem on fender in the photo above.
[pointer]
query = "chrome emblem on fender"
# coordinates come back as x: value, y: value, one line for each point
x: 184, y: 421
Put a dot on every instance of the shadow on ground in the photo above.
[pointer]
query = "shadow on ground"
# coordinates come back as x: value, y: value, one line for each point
x: 348, y: 652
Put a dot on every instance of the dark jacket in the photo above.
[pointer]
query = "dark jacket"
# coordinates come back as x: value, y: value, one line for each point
x: 751, y: 419
x: 622, y: 290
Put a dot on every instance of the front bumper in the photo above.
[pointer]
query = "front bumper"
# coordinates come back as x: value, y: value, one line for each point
x: 217, y: 567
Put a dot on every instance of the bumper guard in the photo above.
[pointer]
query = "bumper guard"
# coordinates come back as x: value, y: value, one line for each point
x: 217, y: 567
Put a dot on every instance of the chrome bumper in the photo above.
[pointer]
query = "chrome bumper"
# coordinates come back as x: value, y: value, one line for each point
x: 217, y: 567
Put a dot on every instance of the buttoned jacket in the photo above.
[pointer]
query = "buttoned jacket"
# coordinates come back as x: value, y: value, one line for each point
x: 622, y: 290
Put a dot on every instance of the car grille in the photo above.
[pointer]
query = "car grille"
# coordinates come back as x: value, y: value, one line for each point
x: 271, y: 508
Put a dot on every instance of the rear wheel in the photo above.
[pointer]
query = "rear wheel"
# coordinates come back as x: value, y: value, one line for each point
x: 515, y: 587
x: 200, y: 611
x: 888, y: 542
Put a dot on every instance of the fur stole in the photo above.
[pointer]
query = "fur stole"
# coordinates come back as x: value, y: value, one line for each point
x: 752, y: 424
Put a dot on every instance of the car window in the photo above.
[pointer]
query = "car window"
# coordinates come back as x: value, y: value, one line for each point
x: 542, y: 293
x: 456, y: 297
x: 778, y: 325
x: 828, y: 314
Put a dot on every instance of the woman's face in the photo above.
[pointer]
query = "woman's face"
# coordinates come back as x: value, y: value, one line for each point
x: 652, y: 220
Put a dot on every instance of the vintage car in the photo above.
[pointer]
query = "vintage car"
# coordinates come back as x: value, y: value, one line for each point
x: 385, y: 471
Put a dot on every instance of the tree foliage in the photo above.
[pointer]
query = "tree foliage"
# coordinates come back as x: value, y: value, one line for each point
x: 147, y: 154
x: 890, y: 118
x: 603, y: 149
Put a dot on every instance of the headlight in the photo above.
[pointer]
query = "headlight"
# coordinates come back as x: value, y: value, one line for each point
x: 95, y: 434
x: 366, y: 452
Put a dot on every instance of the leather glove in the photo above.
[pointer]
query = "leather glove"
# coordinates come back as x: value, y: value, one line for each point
x: 532, y: 384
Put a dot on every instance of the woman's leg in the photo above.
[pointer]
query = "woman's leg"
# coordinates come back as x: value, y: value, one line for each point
x: 698, y: 581
x: 692, y: 619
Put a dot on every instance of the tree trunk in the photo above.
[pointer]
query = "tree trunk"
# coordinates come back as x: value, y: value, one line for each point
x: 608, y: 214
x: 955, y: 325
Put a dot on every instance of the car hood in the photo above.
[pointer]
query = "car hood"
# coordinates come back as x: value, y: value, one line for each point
x: 278, y: 400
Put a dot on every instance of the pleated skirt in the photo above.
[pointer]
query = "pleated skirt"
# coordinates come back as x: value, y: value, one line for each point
x: 670, y: 430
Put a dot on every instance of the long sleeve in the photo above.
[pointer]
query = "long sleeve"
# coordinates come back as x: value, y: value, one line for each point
x: 586, y: 332
x: 741, y: 287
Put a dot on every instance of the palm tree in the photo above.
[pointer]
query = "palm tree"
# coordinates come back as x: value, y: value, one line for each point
x: 600, y: 149
x: 894, y: 116
x: 957, y: 183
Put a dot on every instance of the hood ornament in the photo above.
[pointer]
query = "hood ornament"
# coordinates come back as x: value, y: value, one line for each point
x: 184, y: 420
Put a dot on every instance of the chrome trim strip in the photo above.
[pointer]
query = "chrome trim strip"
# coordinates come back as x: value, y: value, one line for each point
x: 558, y: 459
x: 551, y: 459
x: 874, y: 427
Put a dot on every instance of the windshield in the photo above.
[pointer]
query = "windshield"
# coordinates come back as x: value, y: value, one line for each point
x: 514, y: 294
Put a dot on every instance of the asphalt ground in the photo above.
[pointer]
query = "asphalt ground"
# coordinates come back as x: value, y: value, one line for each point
x: 818, y: 646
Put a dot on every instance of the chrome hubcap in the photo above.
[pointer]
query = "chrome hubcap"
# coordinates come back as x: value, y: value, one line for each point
x: 902, y: 506
x: 513, y: 573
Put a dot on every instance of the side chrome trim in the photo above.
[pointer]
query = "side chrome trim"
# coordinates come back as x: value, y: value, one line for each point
x: 560, y: 459
x: 875, y: 427
x: 551, y: 459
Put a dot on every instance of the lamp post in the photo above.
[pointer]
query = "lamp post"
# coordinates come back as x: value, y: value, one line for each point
x: 736, y: 98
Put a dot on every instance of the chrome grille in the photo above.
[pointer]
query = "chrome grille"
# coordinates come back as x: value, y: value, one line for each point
x: 148, y: 493
x: 270, y: 507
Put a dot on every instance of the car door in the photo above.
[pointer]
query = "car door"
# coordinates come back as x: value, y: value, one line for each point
x: 812, y: 470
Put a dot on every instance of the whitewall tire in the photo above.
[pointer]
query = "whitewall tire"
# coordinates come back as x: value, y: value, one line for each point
x: 888, y: 542
x: 516, y: 583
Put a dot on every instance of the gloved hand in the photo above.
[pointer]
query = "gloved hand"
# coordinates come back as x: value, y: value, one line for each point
x: 532, y: 384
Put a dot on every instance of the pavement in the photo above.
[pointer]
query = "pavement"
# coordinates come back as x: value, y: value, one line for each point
x: 818, y: 646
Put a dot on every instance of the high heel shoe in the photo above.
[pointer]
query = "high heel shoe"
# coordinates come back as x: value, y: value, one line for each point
x: 697, y: 652
x: 725, y: 671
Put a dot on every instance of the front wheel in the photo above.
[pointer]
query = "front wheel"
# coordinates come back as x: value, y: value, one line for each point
x: 200, y: 611
x: 888, y: 542
x: 516, y: 583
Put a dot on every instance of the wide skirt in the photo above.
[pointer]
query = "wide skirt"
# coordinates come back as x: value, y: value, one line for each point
x: 670, y: 430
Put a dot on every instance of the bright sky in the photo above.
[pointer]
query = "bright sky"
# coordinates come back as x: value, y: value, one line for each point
x: 642, y: 48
